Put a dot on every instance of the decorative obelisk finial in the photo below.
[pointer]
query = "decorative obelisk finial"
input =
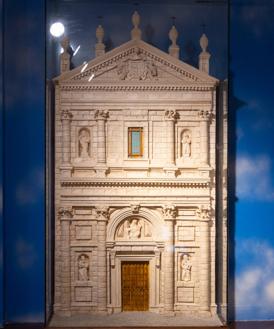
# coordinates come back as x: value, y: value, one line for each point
x: 173, y: 49
x: 204, y: 55
x: 65, y: 56
x: 100, y: 46
x: 136, y: 32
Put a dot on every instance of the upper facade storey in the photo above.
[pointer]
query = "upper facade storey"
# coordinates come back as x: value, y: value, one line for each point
x: 136, y: 111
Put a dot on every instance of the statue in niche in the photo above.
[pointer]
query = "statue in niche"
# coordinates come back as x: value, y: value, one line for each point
x: 186, y: 144
x: 134, y: 229
x: 84, y: 143
x: 83, y: 267
x: 186, y: 268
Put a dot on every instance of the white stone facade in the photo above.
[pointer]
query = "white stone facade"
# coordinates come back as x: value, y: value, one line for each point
x: 158, y: 207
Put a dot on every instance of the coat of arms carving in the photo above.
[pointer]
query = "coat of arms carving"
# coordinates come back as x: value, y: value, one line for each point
x: 137, y: 67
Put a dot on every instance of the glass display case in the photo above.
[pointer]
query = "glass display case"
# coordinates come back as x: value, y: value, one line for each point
x: 137, y: 160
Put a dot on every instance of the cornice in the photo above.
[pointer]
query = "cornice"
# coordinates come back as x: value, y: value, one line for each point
x: 128, y: 87
x: 140, y: 183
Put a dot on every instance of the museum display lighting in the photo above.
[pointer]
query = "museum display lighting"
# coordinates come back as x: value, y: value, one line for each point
x: 91, y: 77
x: 84, y: 67
x: 57, y: 29
x: 76, y: 50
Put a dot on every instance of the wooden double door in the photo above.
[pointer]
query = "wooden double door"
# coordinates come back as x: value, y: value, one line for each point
x: 135, y: 286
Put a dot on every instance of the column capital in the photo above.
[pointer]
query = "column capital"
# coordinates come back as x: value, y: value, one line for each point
x: 204, y: 115
x: 101, y: 115
x: 102, y: 213
x: 171, y: 115
x: 65, y: 212
x: 169, y: 212
x: 203, y: 213
x: 66, y: 115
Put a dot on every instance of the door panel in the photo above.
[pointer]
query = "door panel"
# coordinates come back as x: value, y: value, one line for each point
x: 135, y: 286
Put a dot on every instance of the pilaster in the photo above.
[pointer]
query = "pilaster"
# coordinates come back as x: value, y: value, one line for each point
x: 66, y: 214
x: 101, y: 117
x: 203, y: 215
x: 169, y: 214
x: 66, y: 118
x: 170, y: 118
x: 204, y: 117
x: 102, y: 218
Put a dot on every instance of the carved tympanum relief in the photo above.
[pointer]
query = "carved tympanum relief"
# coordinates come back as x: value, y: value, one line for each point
x: 83, y: 268
x: 134, y: 228
x: 137, y: 67
x: 84, y: 143
x: 186, y: 144
x: 186, y: 266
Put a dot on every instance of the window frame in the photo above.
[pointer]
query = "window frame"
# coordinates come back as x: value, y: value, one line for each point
x: 130, y: 131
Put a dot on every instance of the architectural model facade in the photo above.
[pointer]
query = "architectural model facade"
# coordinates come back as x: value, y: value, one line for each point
x: 136, y: 183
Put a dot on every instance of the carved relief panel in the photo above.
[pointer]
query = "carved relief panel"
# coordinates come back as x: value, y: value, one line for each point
x: 83, y: 232
x: 186, y: 144
x: 82, y: 276
x: 187, y: 289
x: 134, y: 229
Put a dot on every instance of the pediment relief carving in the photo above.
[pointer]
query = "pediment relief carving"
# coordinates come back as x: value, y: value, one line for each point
x: 134, y: 229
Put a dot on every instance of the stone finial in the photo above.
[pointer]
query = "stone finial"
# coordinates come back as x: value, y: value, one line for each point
x: 65, y: 56
x: 173, y: 49
x: 204, y: 55
x: 136, y: 32
x: 100, y: 46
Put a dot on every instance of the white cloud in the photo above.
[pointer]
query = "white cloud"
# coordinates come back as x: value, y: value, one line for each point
x: 254, y: 292
x: 29, y: 189
x: 253, y: 178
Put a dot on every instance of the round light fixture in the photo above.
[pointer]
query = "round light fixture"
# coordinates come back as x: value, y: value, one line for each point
x: 57, y: 29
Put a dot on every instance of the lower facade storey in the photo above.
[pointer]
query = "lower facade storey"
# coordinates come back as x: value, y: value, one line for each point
x: 112, y: 257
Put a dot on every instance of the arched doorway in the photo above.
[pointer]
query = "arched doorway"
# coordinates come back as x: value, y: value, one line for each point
x: 134, y: 247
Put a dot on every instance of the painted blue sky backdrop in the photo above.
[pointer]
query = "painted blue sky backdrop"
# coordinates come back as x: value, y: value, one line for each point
x: 252, y: 49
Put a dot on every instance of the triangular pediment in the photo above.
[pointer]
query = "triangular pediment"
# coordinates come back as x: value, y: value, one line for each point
x: 133, y: 63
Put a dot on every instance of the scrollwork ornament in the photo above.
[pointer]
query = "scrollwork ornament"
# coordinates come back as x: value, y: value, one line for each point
x: 65, y: 212
x: 102, y: 213
x: 170, y: 115
x: 169, y: 211
x: 101, y: 114
x: 204, y: 114
x: 66, y: 115
x: 203, y: 213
